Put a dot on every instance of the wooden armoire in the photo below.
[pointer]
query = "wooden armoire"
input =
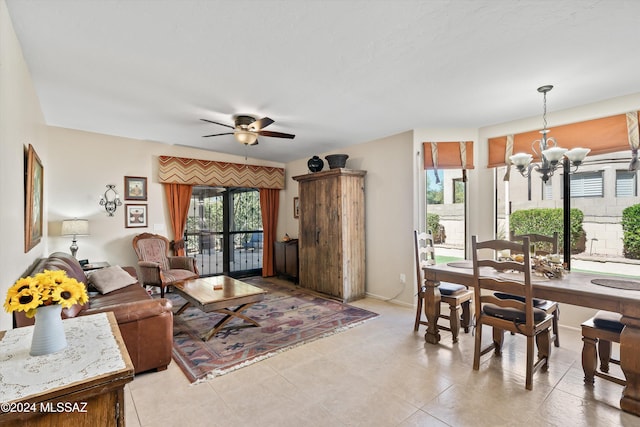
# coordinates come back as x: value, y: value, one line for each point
x: 332, y: 236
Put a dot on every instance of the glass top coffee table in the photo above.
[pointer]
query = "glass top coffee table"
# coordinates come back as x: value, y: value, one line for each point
x: 219, y: 294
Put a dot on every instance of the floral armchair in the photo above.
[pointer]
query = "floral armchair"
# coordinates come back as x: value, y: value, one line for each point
x: 157, y: 268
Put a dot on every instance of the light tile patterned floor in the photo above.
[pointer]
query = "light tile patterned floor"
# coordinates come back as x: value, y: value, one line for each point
x: 383, y: 374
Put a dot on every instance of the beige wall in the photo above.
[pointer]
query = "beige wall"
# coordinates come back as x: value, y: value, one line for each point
x: 21, y: 124
x: 81, y: 164
x: 389, y: 200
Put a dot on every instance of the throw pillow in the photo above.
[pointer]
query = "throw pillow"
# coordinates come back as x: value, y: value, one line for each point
x: 110, y: 279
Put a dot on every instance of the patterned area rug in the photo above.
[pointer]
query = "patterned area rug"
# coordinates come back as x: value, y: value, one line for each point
x: 289, y: 316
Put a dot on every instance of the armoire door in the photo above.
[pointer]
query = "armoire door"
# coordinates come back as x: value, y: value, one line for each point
x: 308, y: 236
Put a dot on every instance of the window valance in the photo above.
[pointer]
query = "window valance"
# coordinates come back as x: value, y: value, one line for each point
x: 602, y: 136
x: 448, y: 155
x: 180, y: 170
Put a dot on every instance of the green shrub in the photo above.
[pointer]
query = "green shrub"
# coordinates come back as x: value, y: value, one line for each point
x: 548, y: 221
x: 631, y: 230
x: 433, y: 224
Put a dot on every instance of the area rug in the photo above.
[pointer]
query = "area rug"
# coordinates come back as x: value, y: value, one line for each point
x: 289, y: 316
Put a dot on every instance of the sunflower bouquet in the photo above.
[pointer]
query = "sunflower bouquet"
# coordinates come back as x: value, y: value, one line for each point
x: 46, y: 288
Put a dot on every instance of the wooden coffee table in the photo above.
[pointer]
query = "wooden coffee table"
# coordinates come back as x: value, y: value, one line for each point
x: 218, y: 294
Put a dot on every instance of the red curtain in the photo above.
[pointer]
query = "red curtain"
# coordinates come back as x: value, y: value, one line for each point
x: 269, y: 202
x: 178, y: 199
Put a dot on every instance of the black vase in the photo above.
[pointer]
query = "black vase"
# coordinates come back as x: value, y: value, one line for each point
x: 315, y: 164
x: 337, y: 161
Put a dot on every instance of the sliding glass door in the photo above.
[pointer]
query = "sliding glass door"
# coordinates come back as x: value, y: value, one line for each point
x: 224, y: 231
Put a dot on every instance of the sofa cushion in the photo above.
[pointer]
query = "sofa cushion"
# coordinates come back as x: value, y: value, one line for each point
x: 110, y: 279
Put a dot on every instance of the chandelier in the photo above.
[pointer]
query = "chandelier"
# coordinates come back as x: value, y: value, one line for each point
x: 548, y: 150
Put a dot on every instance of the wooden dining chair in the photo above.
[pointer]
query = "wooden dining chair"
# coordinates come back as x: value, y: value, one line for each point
x: 518, y: 316
x: 602, y: 329
x: 544, y: 245
x: 458, y: 297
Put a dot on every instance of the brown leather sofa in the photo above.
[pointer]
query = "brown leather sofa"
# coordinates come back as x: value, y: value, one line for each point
x: 146, y: 324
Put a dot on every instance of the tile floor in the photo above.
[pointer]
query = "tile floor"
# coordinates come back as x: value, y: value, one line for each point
x: 381, y: 373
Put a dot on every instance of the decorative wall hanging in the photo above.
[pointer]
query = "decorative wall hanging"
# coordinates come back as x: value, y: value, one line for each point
x: 33, y: 200
x: 135, y: 188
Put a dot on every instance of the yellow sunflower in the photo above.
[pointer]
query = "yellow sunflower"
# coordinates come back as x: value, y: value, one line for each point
x: 69, y: 292
x: 26, y: 300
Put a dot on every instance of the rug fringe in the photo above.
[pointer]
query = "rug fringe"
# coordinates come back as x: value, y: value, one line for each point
x: 219, y: 372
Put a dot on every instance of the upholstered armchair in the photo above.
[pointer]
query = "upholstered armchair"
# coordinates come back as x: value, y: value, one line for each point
x: 156, y: 267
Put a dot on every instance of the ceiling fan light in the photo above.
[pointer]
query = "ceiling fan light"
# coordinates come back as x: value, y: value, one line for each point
x: 245, y: 137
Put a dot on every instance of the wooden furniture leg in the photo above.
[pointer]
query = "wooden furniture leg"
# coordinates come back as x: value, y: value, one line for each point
x: 589, y: 359
x: 432, y: 300
x: 466, y: 316
x: 229, y: 315
x: 455, y: 312
x: 630, y: 363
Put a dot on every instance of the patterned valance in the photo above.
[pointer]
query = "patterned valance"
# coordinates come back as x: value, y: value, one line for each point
x: 180, y: 170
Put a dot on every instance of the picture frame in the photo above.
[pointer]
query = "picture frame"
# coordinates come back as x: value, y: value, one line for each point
x: 135, y: 188
x: 135, y: 216
x: 296, y: 207
x: 34, y: 188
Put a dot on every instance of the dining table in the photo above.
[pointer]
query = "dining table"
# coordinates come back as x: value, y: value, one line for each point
x: 573, y: 287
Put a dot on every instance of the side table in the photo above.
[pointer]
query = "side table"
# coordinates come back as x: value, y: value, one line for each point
x: 95, y: 265
x: 82, y: 385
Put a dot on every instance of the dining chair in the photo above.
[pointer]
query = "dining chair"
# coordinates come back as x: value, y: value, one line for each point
x: 602, y: 329
x: 458, y: 297
x: 518, y: 316
x: 159, y: 269
x: 549, y: 246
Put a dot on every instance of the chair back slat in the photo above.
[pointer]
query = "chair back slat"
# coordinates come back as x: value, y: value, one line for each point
x: 424, y: 253
x: 549, y: 244
x: 520, y: 286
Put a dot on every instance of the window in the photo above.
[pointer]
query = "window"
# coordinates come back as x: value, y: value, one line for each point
x: 458, y: 190
x: 587, y: 184
x: 547, y: 190
x: 626, y: 183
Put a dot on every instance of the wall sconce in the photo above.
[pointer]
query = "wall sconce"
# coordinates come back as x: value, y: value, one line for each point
x: 110, y: 199
x: 75, y: 227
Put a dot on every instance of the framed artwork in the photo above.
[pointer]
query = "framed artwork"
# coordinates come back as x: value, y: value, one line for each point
x: 296, y: 207
x: 33, y: 200
x: 135, y: 216
x: 135, y: 188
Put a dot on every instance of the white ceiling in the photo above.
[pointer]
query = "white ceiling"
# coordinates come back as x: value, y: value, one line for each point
x: 334, y: 73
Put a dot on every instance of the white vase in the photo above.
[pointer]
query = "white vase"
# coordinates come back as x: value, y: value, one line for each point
x: 48, y: 331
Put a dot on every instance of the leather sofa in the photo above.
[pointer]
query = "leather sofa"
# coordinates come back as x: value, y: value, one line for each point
x: 146, y: 324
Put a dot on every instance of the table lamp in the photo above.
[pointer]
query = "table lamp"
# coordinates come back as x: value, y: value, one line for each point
x: 75, y: 227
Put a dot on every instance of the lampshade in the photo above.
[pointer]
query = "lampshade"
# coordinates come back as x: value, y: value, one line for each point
x: 521, y: 159
x: 245, y: 137
x: 75, y: 227
x: 577, y: 155
x: 554, y: 154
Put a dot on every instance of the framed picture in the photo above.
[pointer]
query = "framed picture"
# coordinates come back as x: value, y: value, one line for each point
x: 135, y: 216
x: 296, y: 207
x: 135, y: 188
x: 33, y: 200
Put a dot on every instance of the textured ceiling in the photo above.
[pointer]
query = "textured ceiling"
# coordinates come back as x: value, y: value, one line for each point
x: 332, y: 72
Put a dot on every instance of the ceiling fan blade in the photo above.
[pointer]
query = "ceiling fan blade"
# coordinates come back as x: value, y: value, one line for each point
x: 260, y: 124
x: 216, y: 123
x: 218, y: 134
x: 275, y: 134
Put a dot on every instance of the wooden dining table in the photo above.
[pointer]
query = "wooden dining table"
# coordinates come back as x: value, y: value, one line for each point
x: 574, y: 288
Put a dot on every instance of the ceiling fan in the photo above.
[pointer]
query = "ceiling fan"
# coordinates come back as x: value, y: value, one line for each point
x: 247, y: 129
